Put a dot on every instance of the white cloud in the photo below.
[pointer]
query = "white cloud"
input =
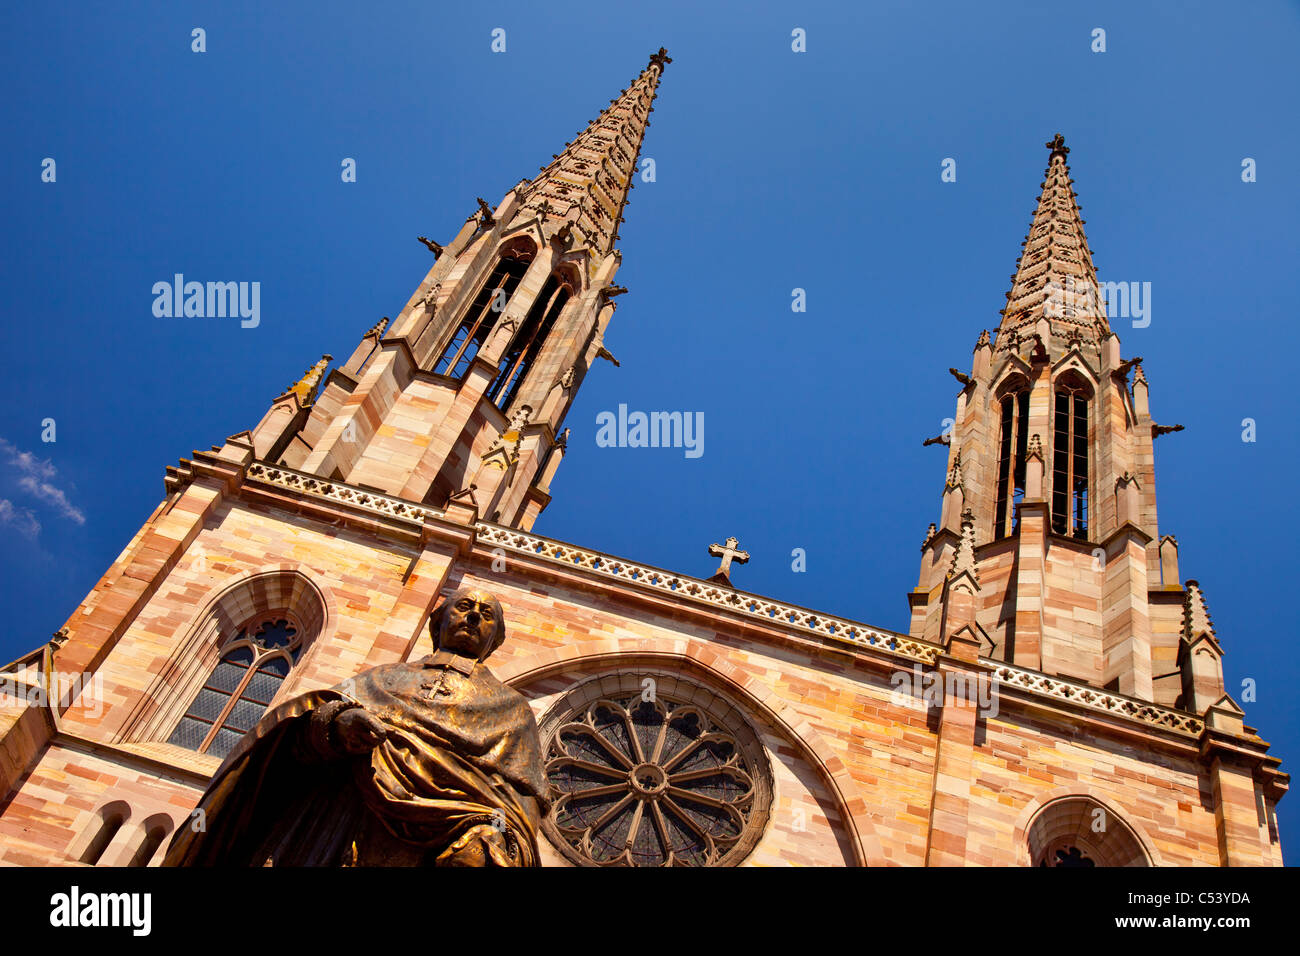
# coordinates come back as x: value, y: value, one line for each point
x: 21, y: 519
x: 36, y: 477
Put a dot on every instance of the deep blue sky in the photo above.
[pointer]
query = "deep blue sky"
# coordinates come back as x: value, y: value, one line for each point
x: 775, y: 170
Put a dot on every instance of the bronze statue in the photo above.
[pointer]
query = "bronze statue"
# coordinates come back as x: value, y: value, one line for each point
x: 429, y: 763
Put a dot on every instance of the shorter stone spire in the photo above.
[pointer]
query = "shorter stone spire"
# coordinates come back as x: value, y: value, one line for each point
x: 306, y: 386
x: 929, y: 536
x: 1196, y: 615
x: 955, y: 479
x: 1139, y: 376
x: 964, y: 558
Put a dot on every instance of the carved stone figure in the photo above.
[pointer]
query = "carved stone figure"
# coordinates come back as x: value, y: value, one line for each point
x: 429, y: 763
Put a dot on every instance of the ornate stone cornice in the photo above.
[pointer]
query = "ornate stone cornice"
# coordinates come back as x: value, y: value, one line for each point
x: 1092, y: 698
x: 709, y: 595
x: 697, y: 591
x: 317, y: 487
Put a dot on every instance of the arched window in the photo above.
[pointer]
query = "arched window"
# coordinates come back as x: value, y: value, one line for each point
x: 482, y: 314
x: 522, y: 351
x: 155, y: 830
x: 108, y: 822
x: 252, y: 667
x: 1013, y: 445
x: 1078, y: 831
x: 1070, y: 458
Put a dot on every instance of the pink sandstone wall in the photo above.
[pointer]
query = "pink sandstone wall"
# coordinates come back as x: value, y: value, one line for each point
x: 852, y: 767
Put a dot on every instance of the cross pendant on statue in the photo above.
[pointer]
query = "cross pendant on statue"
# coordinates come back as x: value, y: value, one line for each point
x: 437, y: 687
x: 728, y: 552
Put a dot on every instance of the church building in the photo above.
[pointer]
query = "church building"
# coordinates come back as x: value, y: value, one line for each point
x: 1057, y: 700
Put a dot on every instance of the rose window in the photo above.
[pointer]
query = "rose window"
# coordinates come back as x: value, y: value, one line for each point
x: 653, y: 782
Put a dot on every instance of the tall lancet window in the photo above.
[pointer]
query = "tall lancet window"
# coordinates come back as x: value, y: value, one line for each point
x: 528, y: 341
x: 1013, y: 444
x: 252, y: 668
x: 1070, y: 459
x: 481, y: 316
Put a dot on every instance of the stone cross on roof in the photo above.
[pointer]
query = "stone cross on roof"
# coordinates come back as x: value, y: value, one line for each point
x: 727, y: 552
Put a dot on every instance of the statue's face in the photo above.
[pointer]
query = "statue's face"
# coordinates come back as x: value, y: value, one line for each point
x: 470, y: 624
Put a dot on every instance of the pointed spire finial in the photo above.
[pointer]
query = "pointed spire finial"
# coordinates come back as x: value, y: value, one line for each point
x: 585, y: 187
x: 1055, y: 276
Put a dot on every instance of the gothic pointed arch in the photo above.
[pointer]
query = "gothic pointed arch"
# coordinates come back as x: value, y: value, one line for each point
x: 250, y: 673
x: 470, y: 333
x: 240, y: 652
x: 1080, y: 830
x: 528, y: 340
x: 1011, y: 404
x: 1071, y: 468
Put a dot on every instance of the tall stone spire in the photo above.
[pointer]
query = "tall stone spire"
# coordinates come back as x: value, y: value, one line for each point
x: 468, y: 387
x: 1055, y: 278
x: 584, y: 189
x: 1055, y: 513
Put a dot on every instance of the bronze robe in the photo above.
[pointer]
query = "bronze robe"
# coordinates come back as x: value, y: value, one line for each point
x: 462, y: 749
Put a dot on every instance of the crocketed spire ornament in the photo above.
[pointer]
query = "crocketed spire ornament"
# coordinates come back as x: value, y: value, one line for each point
x: 1055, y: 277
x: 305, y: 387
x: 964, y: 558
x: 955, y: 476
x: 1196, y: 615
x: 929, y: 534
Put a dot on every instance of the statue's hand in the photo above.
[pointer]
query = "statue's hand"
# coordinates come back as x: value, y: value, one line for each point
x: 357, y: 731
x: 481, y: 845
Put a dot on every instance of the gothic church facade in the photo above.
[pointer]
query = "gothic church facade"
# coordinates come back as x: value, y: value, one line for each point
x: 1058, y: 699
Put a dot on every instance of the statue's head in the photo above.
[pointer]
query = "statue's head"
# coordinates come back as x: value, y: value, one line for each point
x: 469, y: 623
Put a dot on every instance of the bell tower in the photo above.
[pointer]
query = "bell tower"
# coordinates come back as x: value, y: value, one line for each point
x: 464, y: 395
x: 1048, y: 523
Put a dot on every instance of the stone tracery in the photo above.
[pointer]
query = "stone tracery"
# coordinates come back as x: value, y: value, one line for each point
x: 647, y: 779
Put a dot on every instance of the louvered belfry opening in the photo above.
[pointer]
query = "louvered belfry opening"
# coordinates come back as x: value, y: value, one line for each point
x: 481, y: 316
x: 1013, y: 446
x: 528, y: 341
x: 1070, y: 460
